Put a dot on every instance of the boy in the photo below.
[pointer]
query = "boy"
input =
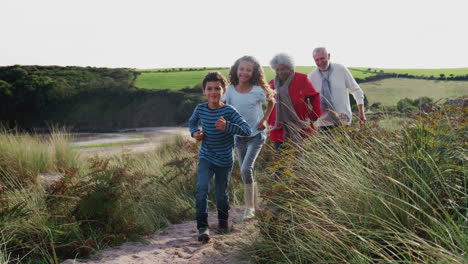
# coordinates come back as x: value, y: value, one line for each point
x: 220, y: 122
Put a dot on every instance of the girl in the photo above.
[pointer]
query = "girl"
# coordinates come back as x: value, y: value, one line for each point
x: 247, y: 92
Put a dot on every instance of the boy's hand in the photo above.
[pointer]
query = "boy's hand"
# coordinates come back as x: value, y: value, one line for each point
x: 262, y: 125
x: 198, y: 135
x: 221, y: 124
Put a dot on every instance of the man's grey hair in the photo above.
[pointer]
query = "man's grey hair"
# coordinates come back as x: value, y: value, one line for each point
x: 282, y: 58
x: 320, y: 50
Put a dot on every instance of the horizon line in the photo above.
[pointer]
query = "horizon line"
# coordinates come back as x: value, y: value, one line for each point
x: 216, y: 67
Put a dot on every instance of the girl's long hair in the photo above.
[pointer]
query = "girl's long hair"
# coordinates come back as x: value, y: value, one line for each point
x: 258, y: 76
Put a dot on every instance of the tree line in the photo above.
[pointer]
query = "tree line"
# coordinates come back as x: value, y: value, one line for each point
x: 30, y: 89
x: 84, y: 98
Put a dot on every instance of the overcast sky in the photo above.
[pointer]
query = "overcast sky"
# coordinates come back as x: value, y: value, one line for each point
x: 185, y: 33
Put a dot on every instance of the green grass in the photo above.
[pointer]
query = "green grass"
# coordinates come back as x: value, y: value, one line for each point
x: 172, y: 80
x: 180, y: 69
x: 425, y: 72
x: 181, y: 79
x: 390, y: 91
x: 136, y: 136
x: 394, y: 123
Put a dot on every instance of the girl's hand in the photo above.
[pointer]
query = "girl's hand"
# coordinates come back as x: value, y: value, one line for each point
x: 198, y: 135
x: 262, y: 125
x: 221, y: 124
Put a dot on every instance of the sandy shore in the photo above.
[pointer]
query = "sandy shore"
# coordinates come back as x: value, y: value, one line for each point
x: 178, y: 244
x: 150, y: 138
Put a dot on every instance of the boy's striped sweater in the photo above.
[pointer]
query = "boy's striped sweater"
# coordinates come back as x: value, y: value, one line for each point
x: 217, y: 146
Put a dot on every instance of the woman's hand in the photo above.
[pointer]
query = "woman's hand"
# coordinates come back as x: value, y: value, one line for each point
x: 262, y: 124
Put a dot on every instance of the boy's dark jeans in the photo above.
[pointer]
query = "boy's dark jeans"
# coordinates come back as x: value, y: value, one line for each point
x: 205, y: 171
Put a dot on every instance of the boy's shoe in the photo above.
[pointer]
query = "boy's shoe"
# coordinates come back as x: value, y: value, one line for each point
x: 223, y: 222
x: 249, y: 213
x: 204, y: 235
x: 202, y: 222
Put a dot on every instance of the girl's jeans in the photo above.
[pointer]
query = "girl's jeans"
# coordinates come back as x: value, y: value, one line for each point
x: 205, y: 171
x: 248, y: 149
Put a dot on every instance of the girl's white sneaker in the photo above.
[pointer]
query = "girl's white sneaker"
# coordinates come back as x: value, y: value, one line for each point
x: 249, y: 213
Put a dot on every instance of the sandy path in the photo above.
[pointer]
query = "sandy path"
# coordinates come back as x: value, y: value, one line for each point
x: 178, y: 244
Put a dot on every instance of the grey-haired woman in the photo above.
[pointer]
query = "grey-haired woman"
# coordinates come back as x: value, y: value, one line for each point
x: 292, y: 118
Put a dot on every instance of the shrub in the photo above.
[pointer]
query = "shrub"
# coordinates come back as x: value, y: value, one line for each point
x: 405, y: 105
x: 370, y: 197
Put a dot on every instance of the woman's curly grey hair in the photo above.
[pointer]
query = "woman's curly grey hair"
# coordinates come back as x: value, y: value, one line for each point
x: 282, y: 58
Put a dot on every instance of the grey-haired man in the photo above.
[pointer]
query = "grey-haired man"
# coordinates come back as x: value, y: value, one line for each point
x: 334, y: 82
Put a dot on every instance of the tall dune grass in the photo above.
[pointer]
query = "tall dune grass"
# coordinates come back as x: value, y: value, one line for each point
x: 4, y: 254
x: 98, y: 201
x: 23, y: 157
x: 371, y: 197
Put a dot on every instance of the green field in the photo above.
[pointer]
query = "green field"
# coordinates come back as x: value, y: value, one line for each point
x: 389, y: 91
x: 426, y: 72
x: 181, y: 79
x: 174, y: 80
x: 180, y: 69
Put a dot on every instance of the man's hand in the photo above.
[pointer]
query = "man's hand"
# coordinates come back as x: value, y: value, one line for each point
x: 221, y: 124
x: 362, y: 115
x: 262, y: 124
x: 198, y: 135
